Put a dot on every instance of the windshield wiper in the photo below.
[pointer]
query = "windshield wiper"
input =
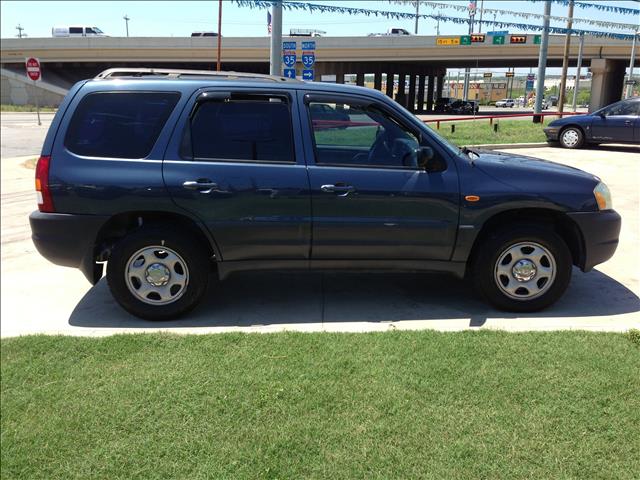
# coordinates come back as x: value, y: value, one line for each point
x: 472, y: 154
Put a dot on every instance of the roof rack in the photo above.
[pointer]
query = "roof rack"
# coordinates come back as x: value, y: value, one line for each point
x: 173, y: 73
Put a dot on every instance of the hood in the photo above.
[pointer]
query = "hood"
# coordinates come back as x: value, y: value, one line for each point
x: 506, y: 165
x: 580, y: 119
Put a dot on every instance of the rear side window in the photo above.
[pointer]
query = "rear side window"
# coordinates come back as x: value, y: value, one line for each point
x: 75, y: 30
x: 119, y: 124
x: 254, y: 128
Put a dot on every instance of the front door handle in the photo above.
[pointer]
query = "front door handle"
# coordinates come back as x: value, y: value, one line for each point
x: 204, y: 185
x: 340, y: 188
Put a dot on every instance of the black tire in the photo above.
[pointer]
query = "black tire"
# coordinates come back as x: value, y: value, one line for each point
x: 569, y: 135
x: 490, y: 251
x: 196, y: 261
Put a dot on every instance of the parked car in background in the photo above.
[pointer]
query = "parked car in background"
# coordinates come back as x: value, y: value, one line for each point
x: 77, y: 31
x: 463, y: 107
x: 553, y: 100
x: 168, y: 176
x: 506, y: 102
x: 615, y: 123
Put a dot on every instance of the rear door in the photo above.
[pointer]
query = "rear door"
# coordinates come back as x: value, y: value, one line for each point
x: 369, y: 198
x: 235, y: 163
x: 616, y: 123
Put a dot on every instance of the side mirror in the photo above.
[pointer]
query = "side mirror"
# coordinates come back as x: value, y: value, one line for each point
x: 425, y: 154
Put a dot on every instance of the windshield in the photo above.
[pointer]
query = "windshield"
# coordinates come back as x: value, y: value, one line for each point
x: 97, y: 30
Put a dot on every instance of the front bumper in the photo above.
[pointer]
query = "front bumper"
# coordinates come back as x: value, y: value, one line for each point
x: 68, y: 240
x: 600, y: 233
x: 551, y: 133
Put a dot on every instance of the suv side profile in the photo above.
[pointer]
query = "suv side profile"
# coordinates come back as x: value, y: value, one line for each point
x: 167, y: 175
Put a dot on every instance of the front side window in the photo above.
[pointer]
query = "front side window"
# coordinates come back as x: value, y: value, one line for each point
x: 76, y: 30
x: 353, y: 135
x: 254, y: 129
x: 119, y: 124
x: 621, y: 108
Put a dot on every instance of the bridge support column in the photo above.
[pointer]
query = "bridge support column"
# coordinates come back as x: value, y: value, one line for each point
x: 430, y: 93
x: 360, y: 79
x: 389, y: 89
x: 439, y: 86
x: 401, y: 96
x: 606, y: 82
x: 377, y: 81
x: 421, y: 79
x: 411, y: 101
x: 340, y: 77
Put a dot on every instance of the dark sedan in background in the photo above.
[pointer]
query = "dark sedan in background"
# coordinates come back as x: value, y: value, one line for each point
x: 615, y: 123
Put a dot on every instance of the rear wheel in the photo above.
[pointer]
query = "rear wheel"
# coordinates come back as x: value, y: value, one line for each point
x: 157, y: 274
x: 571, y: 137
x: 522, y: 269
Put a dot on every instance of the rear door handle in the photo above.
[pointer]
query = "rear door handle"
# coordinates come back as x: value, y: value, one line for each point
x: 341, y: 189
x: 204, y: 185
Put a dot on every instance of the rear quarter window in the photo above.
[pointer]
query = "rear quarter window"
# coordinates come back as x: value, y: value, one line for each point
x: 119, y: 124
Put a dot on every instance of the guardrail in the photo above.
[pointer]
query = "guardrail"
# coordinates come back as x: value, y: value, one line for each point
x: 506, y: 115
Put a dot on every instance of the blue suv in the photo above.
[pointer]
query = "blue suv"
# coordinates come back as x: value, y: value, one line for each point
x: 168, y: 176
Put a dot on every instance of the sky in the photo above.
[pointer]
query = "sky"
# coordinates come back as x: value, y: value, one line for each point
x: 175, y: 18
x: 180, y: 18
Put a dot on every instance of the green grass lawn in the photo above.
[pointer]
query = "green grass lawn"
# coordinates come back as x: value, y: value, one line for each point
x: 479, y: 132
x: 466, y: 405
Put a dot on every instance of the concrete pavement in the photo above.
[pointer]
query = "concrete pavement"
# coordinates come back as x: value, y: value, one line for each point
x: 39, y: 297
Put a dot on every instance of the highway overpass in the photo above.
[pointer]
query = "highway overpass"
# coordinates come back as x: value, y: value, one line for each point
x: 418, y: 60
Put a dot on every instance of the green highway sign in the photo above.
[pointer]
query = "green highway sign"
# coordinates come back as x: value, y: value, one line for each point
x: 498, y: 40
x: 465, y: 40
x: 536, y: 40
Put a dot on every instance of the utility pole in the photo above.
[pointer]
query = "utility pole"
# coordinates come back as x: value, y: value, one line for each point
x: 438, y: 24
x: 275, y: 61
x: 417, y: 13
x: 542, y: 60
x: 126, y: 22
x: 633, y: 56
x: 467, y: 71
x: 565, y: 59
x: 481, y: 9
x: 576, y: 86
x: 20, y: 29
x: 219, y: 37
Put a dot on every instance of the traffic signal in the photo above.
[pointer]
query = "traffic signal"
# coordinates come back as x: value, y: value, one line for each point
x: 477, y: 38
x: 518, y: 39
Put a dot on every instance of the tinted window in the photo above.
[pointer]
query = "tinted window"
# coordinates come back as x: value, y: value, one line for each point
x: 119, y: 124
x: 352, y: 135
x: 89, y: 30
x: 257, y: 129
x: 75, y: 30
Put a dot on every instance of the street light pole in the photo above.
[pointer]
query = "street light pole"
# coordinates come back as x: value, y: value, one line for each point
x: 542, y: 59
x: 219, y: 37
x: 577, y: 82
x: 275, y: 60
x: 126, y: 22
x: 467, y: 71
x: 417, y: 13
x: 565, y: 59
x: 633, y: 56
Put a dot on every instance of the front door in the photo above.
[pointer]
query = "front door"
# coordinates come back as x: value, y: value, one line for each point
x: 369, y: 198
x: 615, y: 123
x: 239, y: 168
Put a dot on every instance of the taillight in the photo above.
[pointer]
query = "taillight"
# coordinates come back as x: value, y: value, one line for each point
x: 43, y: 193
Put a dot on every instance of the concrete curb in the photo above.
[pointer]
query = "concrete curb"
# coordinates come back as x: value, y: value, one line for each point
x: 497, y: 146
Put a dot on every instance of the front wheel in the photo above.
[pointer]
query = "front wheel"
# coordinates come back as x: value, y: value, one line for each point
x: 522, y: 269
x: 158, y: 274
x: 571, y: 137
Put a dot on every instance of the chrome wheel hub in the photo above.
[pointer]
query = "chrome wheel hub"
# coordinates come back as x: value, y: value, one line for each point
x: 525, y: 271
x: 156, y: 275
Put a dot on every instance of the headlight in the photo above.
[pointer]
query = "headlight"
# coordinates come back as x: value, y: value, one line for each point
x: 603, y: 196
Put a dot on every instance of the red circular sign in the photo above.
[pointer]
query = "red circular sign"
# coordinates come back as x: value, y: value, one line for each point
x: 33, y: 68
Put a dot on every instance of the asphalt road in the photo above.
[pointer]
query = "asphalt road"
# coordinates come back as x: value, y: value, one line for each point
x: 39, y: 297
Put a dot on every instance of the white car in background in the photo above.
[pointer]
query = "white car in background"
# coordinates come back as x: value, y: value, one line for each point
x: 506, y: 102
